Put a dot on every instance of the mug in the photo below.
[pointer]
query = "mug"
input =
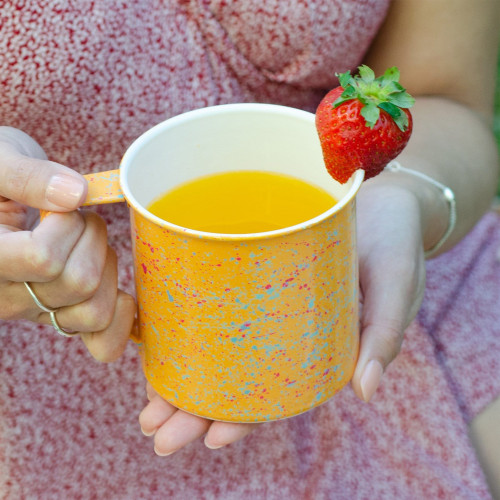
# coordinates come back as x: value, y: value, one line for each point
x: 239, y: 327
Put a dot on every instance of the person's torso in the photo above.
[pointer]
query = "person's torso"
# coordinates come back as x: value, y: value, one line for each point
x: 85, y: 78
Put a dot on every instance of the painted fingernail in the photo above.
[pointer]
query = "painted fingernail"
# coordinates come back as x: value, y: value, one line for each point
x: 370, y: 379
x: 65, y: 191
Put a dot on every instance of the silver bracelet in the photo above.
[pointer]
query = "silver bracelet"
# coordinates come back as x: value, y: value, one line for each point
x: 448, y: 194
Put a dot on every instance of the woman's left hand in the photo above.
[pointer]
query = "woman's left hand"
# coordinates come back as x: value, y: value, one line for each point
x: 391, y: 274
x: 392, y: 281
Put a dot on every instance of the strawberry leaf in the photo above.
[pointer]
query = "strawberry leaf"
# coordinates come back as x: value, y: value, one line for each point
x: 396, y: 114
x: 392, y: 74
x: 384, y: 92
x: 398, y: 87
x: 390, y: 108
x: 345, y: 79
x: 403, y: 100
x: 366, y: 73
x: 402, y: 122
x: 370, y: 112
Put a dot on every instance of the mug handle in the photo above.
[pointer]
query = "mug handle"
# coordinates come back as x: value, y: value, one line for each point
x: 104, y: 187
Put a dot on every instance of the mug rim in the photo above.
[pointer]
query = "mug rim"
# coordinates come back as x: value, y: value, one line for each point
x: 356, y: 179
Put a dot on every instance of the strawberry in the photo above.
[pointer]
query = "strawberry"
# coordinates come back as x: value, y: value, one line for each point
x: 364, y: 123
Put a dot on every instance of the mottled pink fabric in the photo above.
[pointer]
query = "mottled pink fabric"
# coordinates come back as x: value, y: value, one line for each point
x: 85, y: 78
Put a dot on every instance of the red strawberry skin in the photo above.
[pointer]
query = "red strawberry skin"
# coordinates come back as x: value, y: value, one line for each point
x: 348, y: 144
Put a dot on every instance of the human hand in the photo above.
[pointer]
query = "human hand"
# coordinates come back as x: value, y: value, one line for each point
x: 174, y: 428
x: 65, y: 258
x: 392, y: 280
x: 392, y: 276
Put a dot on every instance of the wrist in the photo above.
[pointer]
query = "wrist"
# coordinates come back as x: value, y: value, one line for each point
x: 434, y: 200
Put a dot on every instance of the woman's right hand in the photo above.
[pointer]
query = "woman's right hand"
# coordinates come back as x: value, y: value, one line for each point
x: 65, y: 257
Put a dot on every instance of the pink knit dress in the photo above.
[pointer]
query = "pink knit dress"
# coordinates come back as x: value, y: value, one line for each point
x: 85, y: 78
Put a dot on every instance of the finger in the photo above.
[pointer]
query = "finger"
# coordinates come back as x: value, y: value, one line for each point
x: 85, y: 271
x: 223, y: 433
x: 108, y: 345
x: 155, y: 414
x: 15, y: 217
x: 96, y: 313
x: 39, y: 183
x: 178, y: 431
x: 392, y: 295
x: 81, y: 277
x: 150, y: 392
x: 40, y: 255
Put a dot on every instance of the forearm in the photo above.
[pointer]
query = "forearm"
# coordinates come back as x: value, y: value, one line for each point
x: 456, y: 147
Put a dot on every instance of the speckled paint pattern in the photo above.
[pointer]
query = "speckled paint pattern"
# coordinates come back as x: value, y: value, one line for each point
x: 248, y: 330
x: 104, y: 187
x: 242, y: 328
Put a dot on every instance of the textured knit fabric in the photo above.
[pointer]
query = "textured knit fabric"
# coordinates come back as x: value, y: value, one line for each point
x: 85, y: 78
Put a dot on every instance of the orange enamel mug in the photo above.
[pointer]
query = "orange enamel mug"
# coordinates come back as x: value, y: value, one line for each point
x: 239, y: 327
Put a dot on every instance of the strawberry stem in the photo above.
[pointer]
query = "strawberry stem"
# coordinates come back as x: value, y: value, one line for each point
x: 384, y: 92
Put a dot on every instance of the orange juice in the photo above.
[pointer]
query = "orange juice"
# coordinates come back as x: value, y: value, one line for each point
x: 242, y: 202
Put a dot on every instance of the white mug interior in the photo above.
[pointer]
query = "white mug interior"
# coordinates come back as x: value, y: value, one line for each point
x: 229, y: 137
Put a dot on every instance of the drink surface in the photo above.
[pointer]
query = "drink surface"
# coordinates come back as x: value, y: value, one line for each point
x: 242, y: 202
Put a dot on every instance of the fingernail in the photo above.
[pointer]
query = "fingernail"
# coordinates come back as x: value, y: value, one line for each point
x: 147, y: 433
x: 370, y: 379
x: 163, y: 454
x: 65, y: 191
x: 214, y: 447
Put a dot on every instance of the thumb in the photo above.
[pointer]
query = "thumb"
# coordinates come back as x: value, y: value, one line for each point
x: 391, y: 299
x: 39, y: 183
x: 380, y: 344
